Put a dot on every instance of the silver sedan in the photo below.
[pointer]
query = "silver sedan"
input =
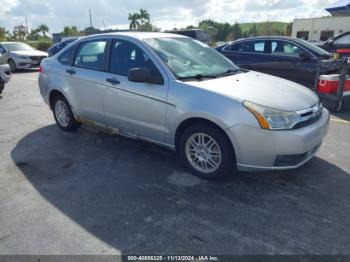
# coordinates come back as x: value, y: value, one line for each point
x: 179, y: 93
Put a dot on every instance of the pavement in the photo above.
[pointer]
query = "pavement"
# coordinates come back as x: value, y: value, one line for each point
x: 94, y: 193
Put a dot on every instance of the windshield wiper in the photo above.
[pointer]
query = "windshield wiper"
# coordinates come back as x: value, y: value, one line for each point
x: 229, y: 72
x: 197, y: 77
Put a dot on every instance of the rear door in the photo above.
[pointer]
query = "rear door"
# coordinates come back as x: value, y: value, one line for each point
x: 84, y: 77
x: 248, y: 54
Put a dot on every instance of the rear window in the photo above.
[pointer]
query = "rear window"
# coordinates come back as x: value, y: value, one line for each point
x: 91, y: 55
x: 66, y: 58
x: 248, y: 47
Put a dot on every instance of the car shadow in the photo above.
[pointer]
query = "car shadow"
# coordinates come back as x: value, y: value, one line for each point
x: 25, y: 71
x: 137, y: 198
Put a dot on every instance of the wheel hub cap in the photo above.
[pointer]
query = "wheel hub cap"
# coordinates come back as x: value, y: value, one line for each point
x: 203, y: 153
x: 62, y: 113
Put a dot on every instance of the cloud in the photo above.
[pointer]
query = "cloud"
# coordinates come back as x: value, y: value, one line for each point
x: 164, y: 13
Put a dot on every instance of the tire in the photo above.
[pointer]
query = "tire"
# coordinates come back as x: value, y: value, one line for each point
x: 12, y: 65
x: 63, y: 114
x: 213, y: 166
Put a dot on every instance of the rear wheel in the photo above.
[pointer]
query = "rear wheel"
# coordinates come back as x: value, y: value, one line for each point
x: 63, y: 114
x: 206, y: 151
x: 12, y: 65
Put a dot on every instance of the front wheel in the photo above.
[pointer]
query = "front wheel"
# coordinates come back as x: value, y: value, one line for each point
x: 63, y: 115
x: 12, y: 65
x: 206, y: 151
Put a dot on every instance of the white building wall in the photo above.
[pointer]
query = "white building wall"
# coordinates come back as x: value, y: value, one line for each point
x: 316, y: 25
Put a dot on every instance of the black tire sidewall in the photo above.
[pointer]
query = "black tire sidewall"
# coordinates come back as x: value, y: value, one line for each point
x: 228, y: 160
x: 12, y: 65
x: 73, y: 124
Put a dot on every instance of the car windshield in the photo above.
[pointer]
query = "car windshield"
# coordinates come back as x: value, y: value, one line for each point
x: 188, y: 58
x: 18, y: 47
x: 315, y: 48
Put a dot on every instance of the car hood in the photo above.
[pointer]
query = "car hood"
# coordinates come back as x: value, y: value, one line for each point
x: 30, y: 53
x: 262, y: 89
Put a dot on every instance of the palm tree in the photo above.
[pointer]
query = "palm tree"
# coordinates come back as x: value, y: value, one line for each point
x: 144, y: 16
x: 43, y: 29
x: 134, y: 21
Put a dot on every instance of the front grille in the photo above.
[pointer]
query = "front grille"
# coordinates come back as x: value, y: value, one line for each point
x: 309, y: 116
x: 37, y: 58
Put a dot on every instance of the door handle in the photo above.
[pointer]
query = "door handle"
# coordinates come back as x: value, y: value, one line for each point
x: 114, y: 81
x: 71, y: 71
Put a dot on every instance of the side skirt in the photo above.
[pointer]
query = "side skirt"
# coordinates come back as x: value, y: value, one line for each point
x: 115, y: 131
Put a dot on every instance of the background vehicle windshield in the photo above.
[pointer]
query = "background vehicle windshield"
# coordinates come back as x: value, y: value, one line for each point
x: 18, y: 47
x: 187, y: 57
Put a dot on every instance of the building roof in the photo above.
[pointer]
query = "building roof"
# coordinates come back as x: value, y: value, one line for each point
x: 340, y: 8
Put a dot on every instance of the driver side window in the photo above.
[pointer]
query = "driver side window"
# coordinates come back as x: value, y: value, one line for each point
x: 281, y: 48
x: 126, y: 55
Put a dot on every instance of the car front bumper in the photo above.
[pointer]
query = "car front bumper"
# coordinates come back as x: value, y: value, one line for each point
x: 27, y: 63
x: 261, y: 150
x: 5, y: 73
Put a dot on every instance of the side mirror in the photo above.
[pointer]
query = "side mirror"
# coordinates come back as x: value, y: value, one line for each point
x: 144, y: 75
x: 305, y: 55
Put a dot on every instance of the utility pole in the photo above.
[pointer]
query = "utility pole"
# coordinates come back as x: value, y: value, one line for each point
x: 91, y: 30
x: 27, y: 27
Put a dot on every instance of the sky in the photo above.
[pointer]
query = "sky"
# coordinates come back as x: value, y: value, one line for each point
x: 165, y: 14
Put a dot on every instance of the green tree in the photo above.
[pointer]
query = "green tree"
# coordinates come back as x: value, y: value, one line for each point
x: 144, y: 17
x: 236, y: 31
x: 253, y: 31
x: 20, y: 32
x: 43, y: 30
x: 2, y: 33
x: 70, y: 31
x: 288, y: 29
x: 34, y: 35
x: 90, y: 30
x: 211, y: 27
x: 134, y: 21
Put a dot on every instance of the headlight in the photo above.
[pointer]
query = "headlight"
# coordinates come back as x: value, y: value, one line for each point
x: 22, y: 57
x: 269, y: 118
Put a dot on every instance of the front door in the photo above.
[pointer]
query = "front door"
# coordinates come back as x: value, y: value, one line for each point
x: 136, y: 108
x: 286, y: 62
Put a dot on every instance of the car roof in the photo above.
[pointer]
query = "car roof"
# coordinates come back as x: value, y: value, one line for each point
x: 12, y: 42
x: 268, y: 38
x: 135, y: 35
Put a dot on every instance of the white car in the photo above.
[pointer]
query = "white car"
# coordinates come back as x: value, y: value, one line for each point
x: 22, y: 56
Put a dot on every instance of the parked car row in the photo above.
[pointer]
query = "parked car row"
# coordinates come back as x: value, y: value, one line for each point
x: 174, y: 91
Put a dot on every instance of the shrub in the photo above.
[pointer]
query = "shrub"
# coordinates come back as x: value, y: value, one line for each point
x: 44, y: 45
